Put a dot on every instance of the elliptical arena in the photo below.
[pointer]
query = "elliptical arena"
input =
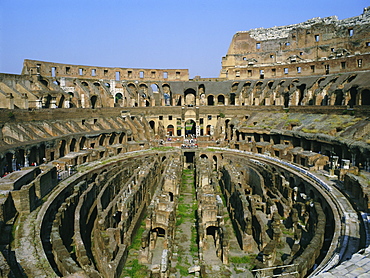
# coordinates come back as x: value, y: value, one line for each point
x: 263, y: 171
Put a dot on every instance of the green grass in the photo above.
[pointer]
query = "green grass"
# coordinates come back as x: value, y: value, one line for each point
x: 163, y: 148
x: 135, y: 270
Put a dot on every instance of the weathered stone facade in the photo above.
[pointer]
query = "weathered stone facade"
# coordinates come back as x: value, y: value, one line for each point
x: 107, y: 169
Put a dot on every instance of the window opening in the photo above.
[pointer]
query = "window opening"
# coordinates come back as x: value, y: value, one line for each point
x: 53, y: 71
x: 165, y: 75
x: 141, y: 74
x: 117, y: 76
x: 80, y: 71
x: 93, y: 72
x: 258, y: 45
x: 350, y: 32
x: 317, y: 38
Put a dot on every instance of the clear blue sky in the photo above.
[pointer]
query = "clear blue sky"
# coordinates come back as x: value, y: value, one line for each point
x: 191, y: 34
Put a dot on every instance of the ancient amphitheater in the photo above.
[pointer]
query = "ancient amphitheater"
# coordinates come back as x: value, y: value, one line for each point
x: 129, y: 172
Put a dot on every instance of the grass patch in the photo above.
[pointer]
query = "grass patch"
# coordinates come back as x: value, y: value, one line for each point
x: 162, y: 148
x: 242, y: 260
x: 135, y: 270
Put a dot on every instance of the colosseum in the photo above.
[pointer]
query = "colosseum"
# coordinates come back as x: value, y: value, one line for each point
x: 263, y: 171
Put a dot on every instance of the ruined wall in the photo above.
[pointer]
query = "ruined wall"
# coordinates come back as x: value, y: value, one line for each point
x: 316, y: 46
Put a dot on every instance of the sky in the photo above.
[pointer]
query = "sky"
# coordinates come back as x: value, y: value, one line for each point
x: 188, y: 34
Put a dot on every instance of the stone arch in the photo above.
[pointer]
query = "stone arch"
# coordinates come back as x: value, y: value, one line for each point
x: 190, y: 96
x: 210, y: 100
x: 170, y: 130
x: 365, y: 97
x: 190, y: 127
x: 62, y: 148
x: 220, y: 100
x: 167, y: 95
x: 72, y: 145
x: 118, y: 99
x: 93, y: 100
x: 112, y: 138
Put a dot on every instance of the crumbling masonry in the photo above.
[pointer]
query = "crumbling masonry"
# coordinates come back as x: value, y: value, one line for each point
x: 261, y: 171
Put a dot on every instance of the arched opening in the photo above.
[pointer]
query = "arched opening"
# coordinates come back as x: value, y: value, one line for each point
x: 62, y: 148
x: 112, y: 139
x: 159, y: 231
x: 212, y: 231
x: 170, y: 195
x: 85, y: 84
x: 189, y: 128
x: 365, y: 97
x: 120, y: 140
x: 220, y: 100
x: 82, y: 143
x: 301, y: 88
x: 208, y: 130
x: 93, y: 100
x: 47, y: 101
x: 61, y: 102
x: 202, y: 95
x: 325, y: 100
x: 353, y: 95
x: 166, y: 95
x: 101, y: 140
x: 339, y: 97
x: 118, y: 98
x: 286, y: 100
x: 155, y: 88
x: 72, y: 145
x: 204, y: 156
x: 152, y: 125
x: 215, y: 162
x: 170, y: 130
x: 210, y: 100
x: 190, y: 97
x: 232, y: 98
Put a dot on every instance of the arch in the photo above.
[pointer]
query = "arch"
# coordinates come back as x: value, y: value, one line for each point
x: 203, y: 156
x: 353, y: 96
x: 102, y: 139
x: 47, y: 101
x: 118, y: 98
x: 62, y: 148
x: 325, y: 100
x: 61, y: 102
x: 232, y: 98
x: 365, y: 97
x: 220, y: 100
x: 286, y: 100
x: 190, y: 97
x: 121, y: 137
x: 82, y: 143
x: 72, y: 145
x: 170, y: 130
x: 152, y: 124
x: 190, y: 127
x: 93, y: 100
x: 154, y: 87
x: 160, y: 231
x: 339, y: 97
x: 210, y: 100
x: 167, y: 96
x: 112, y: 138
x: 208, y: 129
